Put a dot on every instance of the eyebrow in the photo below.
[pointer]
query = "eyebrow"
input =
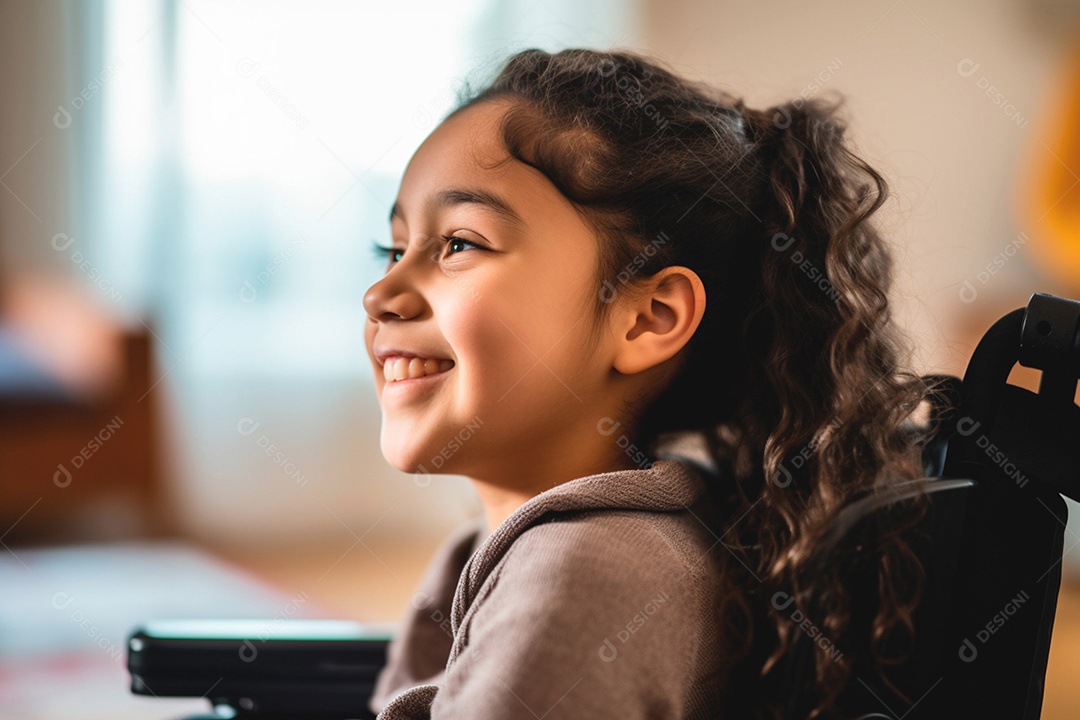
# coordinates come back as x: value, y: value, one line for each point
x: 452, y: 197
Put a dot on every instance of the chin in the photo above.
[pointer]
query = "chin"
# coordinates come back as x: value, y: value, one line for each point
x: 400, y: 458
x: 403, y: 455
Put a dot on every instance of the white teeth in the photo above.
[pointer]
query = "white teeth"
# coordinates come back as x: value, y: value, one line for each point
x: 402, y: 368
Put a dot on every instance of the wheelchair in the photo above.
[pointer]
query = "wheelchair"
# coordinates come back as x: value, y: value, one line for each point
x: 991, y: 546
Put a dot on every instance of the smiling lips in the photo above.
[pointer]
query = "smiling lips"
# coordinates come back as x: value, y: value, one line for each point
x: 406, y: 368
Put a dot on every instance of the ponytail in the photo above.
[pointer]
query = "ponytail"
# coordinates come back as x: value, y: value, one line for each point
x: 820, y: 323
x: 828, y: 405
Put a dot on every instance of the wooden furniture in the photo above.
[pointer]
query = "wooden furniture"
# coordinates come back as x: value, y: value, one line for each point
x: 81, y: 467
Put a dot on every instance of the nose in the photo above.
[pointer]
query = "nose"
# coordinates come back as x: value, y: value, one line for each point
x: 392, y: 298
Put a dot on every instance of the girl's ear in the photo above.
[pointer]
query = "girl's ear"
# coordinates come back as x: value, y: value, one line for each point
x: 659, y: 320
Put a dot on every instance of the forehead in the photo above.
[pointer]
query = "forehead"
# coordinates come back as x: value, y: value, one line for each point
x: 471, y: 131
x: 467, y: 151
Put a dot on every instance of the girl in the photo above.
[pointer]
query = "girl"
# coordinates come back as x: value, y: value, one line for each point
x: 650, y: 324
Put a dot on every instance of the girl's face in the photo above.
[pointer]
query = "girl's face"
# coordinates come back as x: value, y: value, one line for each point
x: 478, y: 331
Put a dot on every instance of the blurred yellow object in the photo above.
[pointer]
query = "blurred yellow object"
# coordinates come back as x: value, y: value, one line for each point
x: 1049, y: 193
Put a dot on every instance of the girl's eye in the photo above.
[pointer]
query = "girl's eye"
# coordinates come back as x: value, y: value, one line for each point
x: 455, y: 244
x: 389, y: 255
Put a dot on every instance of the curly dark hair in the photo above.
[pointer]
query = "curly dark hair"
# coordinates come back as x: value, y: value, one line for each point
x: 794, y: 376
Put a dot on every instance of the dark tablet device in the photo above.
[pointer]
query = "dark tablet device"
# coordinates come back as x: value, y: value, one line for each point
x: 261, y: 668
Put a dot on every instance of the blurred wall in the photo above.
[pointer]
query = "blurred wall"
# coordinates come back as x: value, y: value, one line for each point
x: 944, y: 98
x: 35, y: 195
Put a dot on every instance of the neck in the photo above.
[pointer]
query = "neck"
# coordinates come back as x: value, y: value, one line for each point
x: 502, y: 495
x: 499, y: 502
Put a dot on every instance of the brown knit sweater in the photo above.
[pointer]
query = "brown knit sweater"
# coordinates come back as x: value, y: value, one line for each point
x: 594, y: 599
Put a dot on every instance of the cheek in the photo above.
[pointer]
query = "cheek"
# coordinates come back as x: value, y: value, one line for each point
x: 490, y: 340
x: 369, y: 335
x: 517, y: 343
x: 485, y: 351
x: 369, y: 341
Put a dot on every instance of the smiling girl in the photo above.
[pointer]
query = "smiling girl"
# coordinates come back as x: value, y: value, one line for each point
x: 650, y: 324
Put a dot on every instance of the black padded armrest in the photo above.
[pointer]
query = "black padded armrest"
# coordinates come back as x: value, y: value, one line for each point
x: 261, y: 668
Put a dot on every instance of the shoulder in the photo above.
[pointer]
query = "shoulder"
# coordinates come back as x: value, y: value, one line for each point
x: 602, y: 606
x: 616, y: 546
x: 620, y: 542
x: 572, y: 570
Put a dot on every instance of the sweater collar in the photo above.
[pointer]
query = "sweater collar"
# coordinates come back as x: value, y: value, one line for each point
x: 665, y: 486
